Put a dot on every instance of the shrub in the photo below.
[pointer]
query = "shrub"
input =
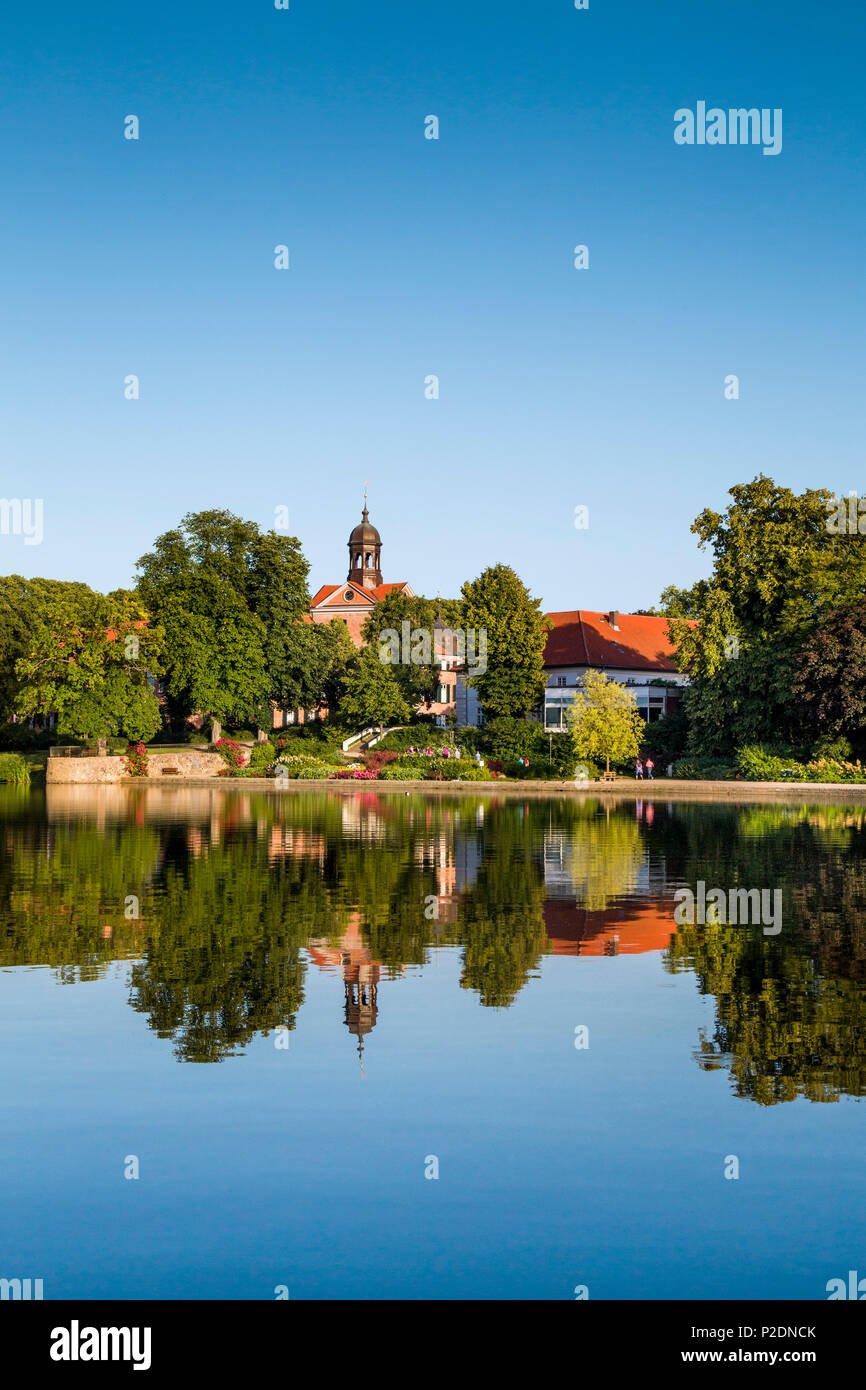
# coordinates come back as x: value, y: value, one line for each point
x: 137, y: 762
x: 415, y: 736
x: 14, y: 769
x: 469, y: 739
x: 380, y: 758
x: 231, y: 753
x: 262, y: 755
x: 835, y: 749
x: 834, y: 770
x: 757, y: 762
x: 300, y: 766
x: 522, y: 768
x: 698, y: 769
x: 313, y: 745
x: 510, y: 739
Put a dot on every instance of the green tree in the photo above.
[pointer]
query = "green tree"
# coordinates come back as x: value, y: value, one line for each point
x: 605, y: 720
x: 498, y: 605
x: 22, y: 603
x: 92, y: 661
x: 418, y: 681
x: 336, y: 654
x: 830, y: 679
x: 231, y: 600
x: 777, y: 573
x: 372, y: 693
x: 278, y: 595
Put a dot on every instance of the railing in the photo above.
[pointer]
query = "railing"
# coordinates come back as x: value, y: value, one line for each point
x: 72, y: 750
x: 356, y: 738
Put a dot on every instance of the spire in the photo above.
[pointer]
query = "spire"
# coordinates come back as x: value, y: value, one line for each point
x: 365, y: 551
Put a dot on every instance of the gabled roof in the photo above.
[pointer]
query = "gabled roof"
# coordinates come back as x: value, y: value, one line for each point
x: 581, y: 638
x: 335, y: 592
x: 385, y: 589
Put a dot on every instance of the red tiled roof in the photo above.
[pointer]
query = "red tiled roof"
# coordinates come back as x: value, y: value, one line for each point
x: 385, y: 589
x: 323, y: 593
x: 581, y: 638
x: 370, y: 595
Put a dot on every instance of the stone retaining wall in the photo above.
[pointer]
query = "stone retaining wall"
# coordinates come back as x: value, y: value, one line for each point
x: 195, y: 762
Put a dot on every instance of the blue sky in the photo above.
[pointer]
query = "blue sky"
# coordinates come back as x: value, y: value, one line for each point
x: 262, y: 388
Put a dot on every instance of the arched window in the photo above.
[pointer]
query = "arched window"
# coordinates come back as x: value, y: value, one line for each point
x: 369, y: 561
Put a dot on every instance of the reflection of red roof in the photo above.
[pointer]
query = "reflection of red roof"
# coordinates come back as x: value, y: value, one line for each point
x: 637, y: 927
x: 580, y: 638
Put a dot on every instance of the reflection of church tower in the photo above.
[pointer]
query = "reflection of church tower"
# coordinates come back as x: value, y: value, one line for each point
x: 361, y: 982
x: 365, y: 551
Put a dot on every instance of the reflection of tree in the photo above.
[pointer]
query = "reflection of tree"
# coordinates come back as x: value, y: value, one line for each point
x: 234, y: 889
x: 782, y: 1029
x: 500, y: 920
x: 62, y: 894
x: 606, y: 857
x: 790, y: 1009
x: 223, y: 955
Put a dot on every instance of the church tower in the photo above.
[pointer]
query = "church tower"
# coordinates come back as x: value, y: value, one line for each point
x: 365, y: 549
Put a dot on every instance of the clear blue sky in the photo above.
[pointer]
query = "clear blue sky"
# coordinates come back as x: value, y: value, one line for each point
x: 559, y: 387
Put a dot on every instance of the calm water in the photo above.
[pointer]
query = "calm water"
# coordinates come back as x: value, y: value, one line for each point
x: 286, y: 1007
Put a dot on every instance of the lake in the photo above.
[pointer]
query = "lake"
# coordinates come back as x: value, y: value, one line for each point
x: 374, y: 1045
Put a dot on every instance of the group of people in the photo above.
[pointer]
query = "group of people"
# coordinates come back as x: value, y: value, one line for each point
x: 439, y: 752
x: 639, y: 767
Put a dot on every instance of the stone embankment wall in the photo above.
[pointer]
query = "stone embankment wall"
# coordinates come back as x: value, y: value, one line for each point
x: 163, y: 767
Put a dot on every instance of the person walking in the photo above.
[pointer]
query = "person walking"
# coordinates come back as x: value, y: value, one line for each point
x: 638, y: 770
x: 649, y: 768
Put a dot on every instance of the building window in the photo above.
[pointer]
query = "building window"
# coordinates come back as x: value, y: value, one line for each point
x: 560, y: 680
x: 555, y: 706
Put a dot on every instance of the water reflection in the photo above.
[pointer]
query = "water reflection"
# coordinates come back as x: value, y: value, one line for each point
x: 223, y: 899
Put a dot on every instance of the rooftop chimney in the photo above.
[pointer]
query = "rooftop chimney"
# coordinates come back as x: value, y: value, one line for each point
x: 613, y: 619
